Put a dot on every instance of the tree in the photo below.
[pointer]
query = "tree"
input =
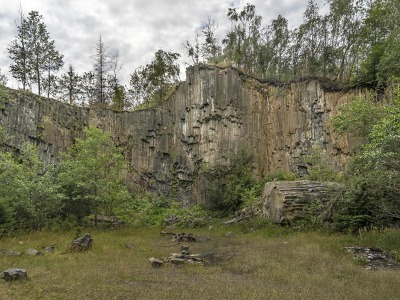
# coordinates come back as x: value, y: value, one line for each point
x: 3, y: 79
x: 241, y: 42
x: 18, y: 53
x: 33, y: 53
x: 389, y: 64
x: 69, y: 85
x: 29, y: 195
x: 308, y: 45
x: 210, y: 49
x: 92, y: 175
x: 279, y: 44
x: 42, y: 53
x: 52, y: 63
x: 88, y: 86
x: 101, y: 67
x: 153, y: 81
x: 118, y: 99
x: 372, y: 192
x: 193, y: 49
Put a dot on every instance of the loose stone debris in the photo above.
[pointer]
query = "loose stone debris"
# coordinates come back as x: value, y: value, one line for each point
x: 244, y: 214
x: 155, y: 262
x: 14, y: 274
x: 180, y: 237
x: 81, y: 244
x: 7, y: 252
x: 49, y: 249
x: 375, y: 258
x: 33, y: 252
x: 178, y: 258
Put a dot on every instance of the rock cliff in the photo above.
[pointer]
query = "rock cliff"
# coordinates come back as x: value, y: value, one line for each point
x: 212, y: 115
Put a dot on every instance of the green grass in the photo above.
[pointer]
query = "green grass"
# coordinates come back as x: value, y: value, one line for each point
x: 271, y: 263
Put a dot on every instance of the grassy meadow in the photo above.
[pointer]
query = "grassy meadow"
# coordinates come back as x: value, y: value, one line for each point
x: 267, y: 263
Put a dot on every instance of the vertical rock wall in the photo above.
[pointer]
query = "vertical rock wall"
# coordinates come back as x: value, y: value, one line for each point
x: 210, y: 117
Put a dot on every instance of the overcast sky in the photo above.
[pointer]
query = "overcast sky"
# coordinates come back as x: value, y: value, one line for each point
x: 137, y: 29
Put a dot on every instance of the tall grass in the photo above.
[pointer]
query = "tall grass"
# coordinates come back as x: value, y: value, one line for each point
x: 269, y: 263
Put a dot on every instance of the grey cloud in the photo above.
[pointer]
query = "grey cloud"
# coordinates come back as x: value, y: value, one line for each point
x: 136, y: 28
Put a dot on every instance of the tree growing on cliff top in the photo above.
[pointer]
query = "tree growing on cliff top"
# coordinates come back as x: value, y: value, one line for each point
x: 69, y: 85
x: 33, y: 52
x: 153, y: 81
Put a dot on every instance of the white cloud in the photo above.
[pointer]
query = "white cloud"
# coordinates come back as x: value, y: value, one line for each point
x: 136, y: 28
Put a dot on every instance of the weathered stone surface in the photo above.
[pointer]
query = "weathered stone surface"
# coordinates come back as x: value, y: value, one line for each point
x: 285, y: 201
x: 375, y: 258
x: 49, y: 249
x: 211, y: 116
x: 155, y: 262
x: 14, y: 274
x: 33, y: 252
x: 81, y: 244
x: 7, y: 252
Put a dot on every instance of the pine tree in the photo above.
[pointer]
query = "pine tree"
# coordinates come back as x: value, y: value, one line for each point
x: 101, y: 68
x: 18, y: 53
x: 69, y: 85
x: 33, y: 53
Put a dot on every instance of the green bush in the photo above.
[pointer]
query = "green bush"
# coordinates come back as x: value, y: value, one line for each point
x: 150, y: 210
x: 227, y: 185
x: 371, y: 197
x: 320, y: 166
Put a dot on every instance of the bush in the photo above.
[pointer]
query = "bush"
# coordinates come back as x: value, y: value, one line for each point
x: 372, y: 195
x: 227, y: 185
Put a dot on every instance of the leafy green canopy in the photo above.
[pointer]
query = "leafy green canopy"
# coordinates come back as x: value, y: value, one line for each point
x: 92, y: 175
x: 372, y: 193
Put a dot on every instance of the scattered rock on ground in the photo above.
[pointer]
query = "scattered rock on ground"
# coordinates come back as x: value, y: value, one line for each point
x: 244, y: 214
x: 375, y: 258
x: 178, y: 258
x: 7, y: 252
x: 184, y: 237
x: 49, y: 249
x: 81, y: 244
x: 14, y: 274
x: 33, y: 252
x: 155, y: 262
x: 129, y: 245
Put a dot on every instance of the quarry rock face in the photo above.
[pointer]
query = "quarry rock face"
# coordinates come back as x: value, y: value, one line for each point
x: 286, y: 201
x: 211, y: 116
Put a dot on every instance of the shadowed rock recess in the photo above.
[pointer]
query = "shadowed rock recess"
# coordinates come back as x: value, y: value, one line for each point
x: 211, y: 116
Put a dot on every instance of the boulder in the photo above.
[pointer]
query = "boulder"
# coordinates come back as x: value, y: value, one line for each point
x: 14, y: 274
x: 155, y: 262
x: 81, y: 244
x: 7, y: 252
x: 33, y: 252
x: 49, y: 249
x: 285, y: 201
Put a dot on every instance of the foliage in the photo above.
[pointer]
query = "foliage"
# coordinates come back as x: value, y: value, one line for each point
x: 69, y: 85
x: 33, y: 53
x: 372, y: 193
x: 101, y: 67
x: 227, y: 186
x: 146, y: 209
x: 358, y: 117
x: 92, y: 176
x: 152, y: 82
x: 29, y: 194
x: 3, y: 79
x: 320, y: 166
